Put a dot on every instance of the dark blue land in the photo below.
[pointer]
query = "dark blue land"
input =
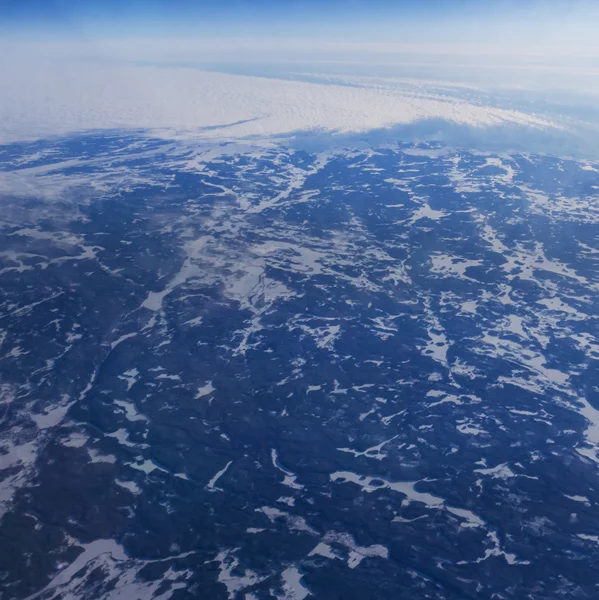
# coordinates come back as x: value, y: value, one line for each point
x: 394, y: 351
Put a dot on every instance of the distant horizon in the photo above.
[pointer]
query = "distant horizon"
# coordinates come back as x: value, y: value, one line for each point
x: 501, y: 27
x: 313, y: 66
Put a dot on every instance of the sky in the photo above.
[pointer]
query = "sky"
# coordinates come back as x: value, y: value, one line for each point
x: 541, y: 26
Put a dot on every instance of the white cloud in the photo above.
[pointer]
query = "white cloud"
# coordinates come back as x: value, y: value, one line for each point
x: 37, y: 100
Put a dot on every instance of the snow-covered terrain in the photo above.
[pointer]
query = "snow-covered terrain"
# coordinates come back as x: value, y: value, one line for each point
x: 244, y: 371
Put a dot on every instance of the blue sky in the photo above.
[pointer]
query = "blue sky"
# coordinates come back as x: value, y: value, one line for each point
x: 24, y: 13
x: 306, y: 30
x: 221, y: 17
x: 366, y: 19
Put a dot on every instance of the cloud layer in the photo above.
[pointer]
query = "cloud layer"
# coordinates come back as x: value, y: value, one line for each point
x: 39, y: 100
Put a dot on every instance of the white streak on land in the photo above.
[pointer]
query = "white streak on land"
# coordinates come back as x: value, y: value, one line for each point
x: 438, y: 343
x: 296, y: 183
x: 356, y: 554
x: 294, y: 522
x: 195, y: 322
x: 232, y: 576
x: 205, y: 390
x: 592, y: 416
x: 130, y: 377
x: 501, y: 471
x: 120, y: 340
x: 131, y: 413
x: 408, y: 489
x: 591, y: 433
x: 525, y: 413
x: 322, y: 549
x: 578, y: 498
x: 119, y: 574
x: 590, y: 538
x: 54, y: 415
x: 373, y: 452
x: 292, y: 585
x: 90, y: 552
x: 551, y: 378
x: 128, y: 485
x: 193, y: 250
x: 15, y: 455
x: 24, y: 455
x: 386, y: 420
x: 290, y: 478
x: 212, y: 482
x: 510, y: 558
x: 452, y: 266
x: 147, y: 467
